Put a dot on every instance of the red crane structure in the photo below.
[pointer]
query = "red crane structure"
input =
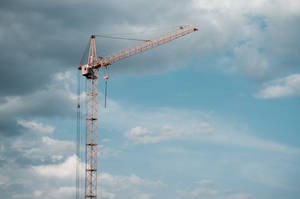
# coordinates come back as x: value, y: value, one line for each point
x: 91, y: 72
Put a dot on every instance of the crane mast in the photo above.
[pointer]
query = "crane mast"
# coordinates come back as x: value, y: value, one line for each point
x: 91, y: 72
x: 91, y: 136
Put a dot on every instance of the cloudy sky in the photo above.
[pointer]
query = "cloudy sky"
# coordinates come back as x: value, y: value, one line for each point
x: 212, y: 115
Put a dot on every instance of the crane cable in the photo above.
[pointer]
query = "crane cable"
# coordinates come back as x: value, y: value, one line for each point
x: 79, y: 125
x: 105, y: 93
x: 78, y: 136
x: 85, y: 54
x: 124, y: 38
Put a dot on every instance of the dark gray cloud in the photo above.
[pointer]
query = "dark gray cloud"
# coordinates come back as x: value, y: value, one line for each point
x: 38, y: 39
x: 57, y: 99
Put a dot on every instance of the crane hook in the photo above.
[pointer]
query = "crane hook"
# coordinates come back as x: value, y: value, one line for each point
x: 106, y: 77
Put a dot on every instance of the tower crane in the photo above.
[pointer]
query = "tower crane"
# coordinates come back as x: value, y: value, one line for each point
x: 90, y: 71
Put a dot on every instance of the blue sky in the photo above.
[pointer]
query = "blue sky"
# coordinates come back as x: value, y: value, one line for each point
x: 230, y: 101
x: 212, y: 115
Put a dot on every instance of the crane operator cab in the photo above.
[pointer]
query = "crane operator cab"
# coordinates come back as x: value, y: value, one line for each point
x: 87, y: 71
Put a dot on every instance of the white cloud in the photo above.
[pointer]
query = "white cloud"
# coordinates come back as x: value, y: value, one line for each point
x: 168, y: 132
x: 50, y: 172
x: 137, y: 131
x: 36, y: 127
x: 54, y: 175
x: 254, y: 6
x: 283, y: 87
x: 109, y: 186
x: 260, y: 35
x: 43, y: 148
x: 63, y: 170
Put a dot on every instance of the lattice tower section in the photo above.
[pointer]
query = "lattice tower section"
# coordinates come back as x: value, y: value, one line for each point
x: 91, y: 139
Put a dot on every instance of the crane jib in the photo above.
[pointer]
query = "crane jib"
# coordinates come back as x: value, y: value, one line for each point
x: 145, y: 45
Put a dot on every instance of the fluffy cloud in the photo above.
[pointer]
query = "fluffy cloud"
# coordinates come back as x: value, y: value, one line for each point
x: 64, y: 170
x: 109, y: 186
x: 35, y: 165
x: 23, y: 157
x: 283, y: 87
x: 58, y: 180
x: 34, y: 147
x: 36, y: 127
